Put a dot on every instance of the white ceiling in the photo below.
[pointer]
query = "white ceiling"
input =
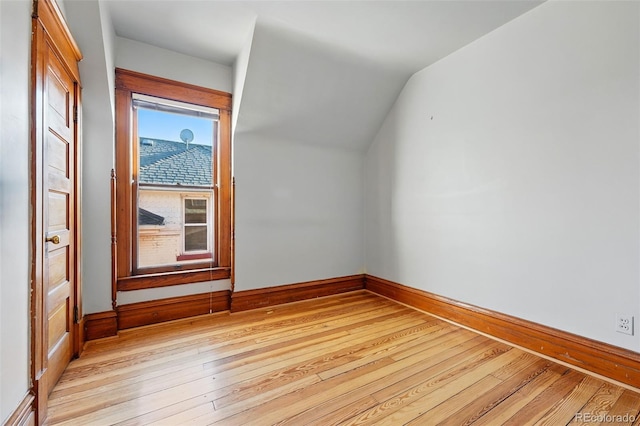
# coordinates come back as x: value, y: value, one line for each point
x: 321, y: 73
x: 403, y: 35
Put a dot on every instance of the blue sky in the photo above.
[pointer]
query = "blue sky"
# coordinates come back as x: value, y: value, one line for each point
x: 163, y: 125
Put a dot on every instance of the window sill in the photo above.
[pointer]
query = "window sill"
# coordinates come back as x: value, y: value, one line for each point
x: 165, y: 279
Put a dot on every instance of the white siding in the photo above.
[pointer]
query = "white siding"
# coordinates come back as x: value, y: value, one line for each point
x: 161, y: 245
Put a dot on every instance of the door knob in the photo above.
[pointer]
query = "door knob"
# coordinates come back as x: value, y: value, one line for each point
x: 55, y: 239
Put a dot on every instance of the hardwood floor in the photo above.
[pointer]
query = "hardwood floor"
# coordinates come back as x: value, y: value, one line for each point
x: 355, y: 358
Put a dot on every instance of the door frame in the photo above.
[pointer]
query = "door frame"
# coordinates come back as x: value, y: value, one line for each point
x: 49, y: 28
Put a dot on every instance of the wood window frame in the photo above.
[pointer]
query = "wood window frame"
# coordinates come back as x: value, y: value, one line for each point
x: 128, y: 276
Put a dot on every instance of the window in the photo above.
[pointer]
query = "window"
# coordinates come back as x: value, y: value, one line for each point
x: 196, y: 233
x: 173, y: 178
x: 176, y: 155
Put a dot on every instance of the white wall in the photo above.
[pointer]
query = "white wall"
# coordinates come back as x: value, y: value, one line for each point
x: 92, y: 31
x: 507, y: 174
x: 109, y: 42
x: 240, y: 67
x: 144, y: 58
x: 308, y: 111
x: 15, y: 42
x: 298, y: 212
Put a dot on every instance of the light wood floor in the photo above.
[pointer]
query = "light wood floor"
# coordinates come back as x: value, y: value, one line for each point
x: 355, y: 358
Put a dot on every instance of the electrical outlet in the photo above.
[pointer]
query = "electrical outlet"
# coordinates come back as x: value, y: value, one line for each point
x: 624, y: 324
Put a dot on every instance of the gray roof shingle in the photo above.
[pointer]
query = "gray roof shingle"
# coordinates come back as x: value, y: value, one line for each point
x: 166, y: 162
x: 145, y: 217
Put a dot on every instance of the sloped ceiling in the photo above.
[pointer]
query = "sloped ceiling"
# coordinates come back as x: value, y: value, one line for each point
x: 318, y: 72
x: 299, y: 90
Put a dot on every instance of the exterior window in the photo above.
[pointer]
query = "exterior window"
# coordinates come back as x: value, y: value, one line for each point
x: 196, y: 225
x: 173, y: 179
x: 176, y: 155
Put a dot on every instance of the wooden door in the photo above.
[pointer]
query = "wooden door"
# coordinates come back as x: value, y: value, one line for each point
x: 55, y: 200
x: 58, y: 214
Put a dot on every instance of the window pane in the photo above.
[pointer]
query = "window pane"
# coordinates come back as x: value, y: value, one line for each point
x: 195, y: 211
x: 174, y: 149
x: 175, y: 182
x: 195, y: 238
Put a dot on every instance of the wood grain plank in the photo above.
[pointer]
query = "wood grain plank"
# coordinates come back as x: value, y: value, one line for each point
x: 353, y: 358
x: 342, y: 393
x: 515, y: 402
x: 523, y: 396
x: 347, y: 388
x: 176, y: 414
x: 233, y: 366
x: 225, y: 360
x: 220, y: 328
x: 243, y: 371
x: 345, y: 354
x: 472, y: 407
x: 536, y: 409
x: 626, y: 409
x: 415, y: 401
x: 599, y: 404
x: 450, y: 408
x: 564, y: 410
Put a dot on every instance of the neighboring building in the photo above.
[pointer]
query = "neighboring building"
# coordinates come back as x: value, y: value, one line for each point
x: 175, y: 194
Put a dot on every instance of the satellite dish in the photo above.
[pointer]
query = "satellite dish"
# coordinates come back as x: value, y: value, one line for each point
x: 186, y: 135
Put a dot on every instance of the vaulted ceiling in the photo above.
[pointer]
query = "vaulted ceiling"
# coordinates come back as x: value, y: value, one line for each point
x: 407, y: 35
x: 317, y: 72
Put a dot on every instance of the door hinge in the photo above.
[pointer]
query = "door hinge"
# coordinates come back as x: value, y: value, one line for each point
x: 75, y: 113
x: 75, y: 315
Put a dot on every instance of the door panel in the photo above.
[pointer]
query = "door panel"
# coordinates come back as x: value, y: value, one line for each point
x: 58, y: 295
x: 58, y: 324
x: 58, y: 209
x: 58, y: 154
x: 58, y: 267
x: 58, y: 359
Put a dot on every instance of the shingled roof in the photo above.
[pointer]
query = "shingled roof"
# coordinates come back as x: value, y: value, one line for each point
x: 164, y: 162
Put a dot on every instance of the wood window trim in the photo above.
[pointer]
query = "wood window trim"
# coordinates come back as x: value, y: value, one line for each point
x: 127, y: 278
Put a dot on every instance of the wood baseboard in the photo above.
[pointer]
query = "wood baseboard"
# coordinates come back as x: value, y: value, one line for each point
x: 99, y: 325
x: 600, y: 358
x: 24, y: 414
x: 259, y: 298
x: 155, y: 311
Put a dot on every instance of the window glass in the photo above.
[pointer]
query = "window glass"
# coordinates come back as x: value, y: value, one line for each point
x: 195, y: 238
x: 195, y: 211
x: 176, y: 148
